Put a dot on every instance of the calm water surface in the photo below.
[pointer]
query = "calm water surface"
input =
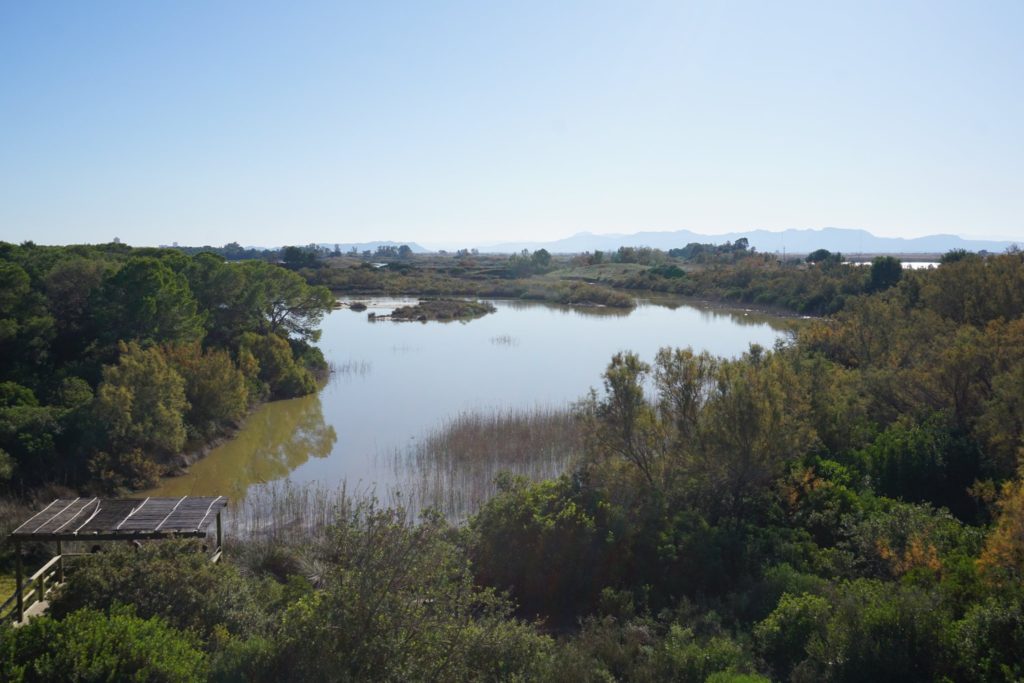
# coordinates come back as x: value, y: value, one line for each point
x: 394, y: 382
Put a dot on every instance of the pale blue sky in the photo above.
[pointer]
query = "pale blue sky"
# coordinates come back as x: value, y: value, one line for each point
x: 474, y: 122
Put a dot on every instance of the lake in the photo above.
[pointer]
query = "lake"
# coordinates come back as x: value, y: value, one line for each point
x: 395, y: 382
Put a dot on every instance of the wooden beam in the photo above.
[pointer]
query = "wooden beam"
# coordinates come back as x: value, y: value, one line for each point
x: 220, y: 533
x: 113, y: 536
x: 18, y: 573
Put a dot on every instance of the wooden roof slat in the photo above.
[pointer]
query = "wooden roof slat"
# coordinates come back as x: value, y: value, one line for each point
x: 68, y: 519
x: 209, y: 509
x: 78, y: 512
x: 90, y: 517
x: 35, y: 516
x: 164, y: 520
x: 57, y: 516
x: 129, y: 516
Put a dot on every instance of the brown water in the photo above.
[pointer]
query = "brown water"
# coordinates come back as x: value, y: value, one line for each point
x: 394, y: 383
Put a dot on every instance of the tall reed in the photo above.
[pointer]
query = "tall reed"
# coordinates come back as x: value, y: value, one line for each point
x: 454, y: 467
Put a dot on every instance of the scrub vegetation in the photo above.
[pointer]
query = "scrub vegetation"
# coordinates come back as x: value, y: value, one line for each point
x: 848, y: 506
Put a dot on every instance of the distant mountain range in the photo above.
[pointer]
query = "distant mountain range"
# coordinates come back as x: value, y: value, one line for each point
x: 792, y: 241
x: 371, y: 246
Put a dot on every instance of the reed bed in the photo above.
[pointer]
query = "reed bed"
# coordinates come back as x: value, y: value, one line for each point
x: 280, y: 512
x: 358, y: 368
x: 453, y: 469
x: 286, y: 529
x: 504, y: 340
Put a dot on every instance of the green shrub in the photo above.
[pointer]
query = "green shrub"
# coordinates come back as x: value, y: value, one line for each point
x: 877, y: 632
x: 541, y: 544
x: 783, y: 636
x: 986, y: 645
x: 174, y: 580
x: 89, y: 645
x: 278, y: 371
x: 398, y: 604
x: 683, y: 657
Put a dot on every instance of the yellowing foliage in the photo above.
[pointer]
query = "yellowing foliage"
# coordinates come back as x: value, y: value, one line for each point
x: 1002, y: 559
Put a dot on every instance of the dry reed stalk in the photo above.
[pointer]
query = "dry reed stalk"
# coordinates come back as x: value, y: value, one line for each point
x: 454, y: 468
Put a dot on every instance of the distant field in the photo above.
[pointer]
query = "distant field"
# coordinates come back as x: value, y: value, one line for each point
x: 601, y: 270
x: 7, y: 585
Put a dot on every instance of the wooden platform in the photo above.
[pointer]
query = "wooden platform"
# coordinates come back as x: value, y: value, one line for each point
x: 102, y: 519
x: 83, y: 519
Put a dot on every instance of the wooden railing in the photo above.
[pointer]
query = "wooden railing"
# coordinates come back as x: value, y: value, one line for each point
x: 35, y: 588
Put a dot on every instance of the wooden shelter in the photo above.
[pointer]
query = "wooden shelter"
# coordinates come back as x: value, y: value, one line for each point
x: 109, y: 519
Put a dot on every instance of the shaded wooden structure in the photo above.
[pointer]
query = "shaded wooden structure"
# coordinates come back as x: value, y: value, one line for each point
x: 107, y: 519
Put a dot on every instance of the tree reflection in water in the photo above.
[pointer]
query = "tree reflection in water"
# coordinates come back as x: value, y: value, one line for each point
x: 277, y: 438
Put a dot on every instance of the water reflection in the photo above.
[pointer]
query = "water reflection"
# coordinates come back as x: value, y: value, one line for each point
x: 393, y: 384
x: 710, y: 311
x: 277, y: 438
x: 583, y: 311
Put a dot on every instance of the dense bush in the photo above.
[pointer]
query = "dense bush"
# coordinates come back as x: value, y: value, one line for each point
x: 91, y: 645
x: 174, y: 580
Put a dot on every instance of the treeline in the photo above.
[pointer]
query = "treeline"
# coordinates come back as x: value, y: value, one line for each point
x: 468, y: 277
x: 819, y: 286
x: 115, y: 360
x: 694, y: 252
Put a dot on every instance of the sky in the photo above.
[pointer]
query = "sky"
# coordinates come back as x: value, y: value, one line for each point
x: 469, y: 123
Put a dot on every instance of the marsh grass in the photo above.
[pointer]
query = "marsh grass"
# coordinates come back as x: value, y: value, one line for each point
x: 287, y: 529
x: 354, y: 368
x: 504, y: 340
x: 453, y: 469
x: 280, y: 512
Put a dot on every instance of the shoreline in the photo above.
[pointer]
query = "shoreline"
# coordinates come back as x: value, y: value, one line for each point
x: 644, y: 296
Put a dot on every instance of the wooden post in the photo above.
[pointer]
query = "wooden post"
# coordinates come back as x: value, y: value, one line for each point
x: 60, y: 563
x: 220, y: 534
x: 18, y: 579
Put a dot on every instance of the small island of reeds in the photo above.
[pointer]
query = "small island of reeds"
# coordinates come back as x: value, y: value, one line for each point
x: 441, y: 310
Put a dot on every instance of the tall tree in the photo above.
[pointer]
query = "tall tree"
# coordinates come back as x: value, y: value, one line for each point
x: 886, y: 271
x: 142, y: 402
x: 215, y: 389
x: 281, y: 302
x: 219, y: 289
x: 26, y: 326
x: 147, y: 301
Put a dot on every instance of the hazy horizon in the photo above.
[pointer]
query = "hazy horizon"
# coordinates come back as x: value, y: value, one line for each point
x: 434, y: 245
x: 466, y: 123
